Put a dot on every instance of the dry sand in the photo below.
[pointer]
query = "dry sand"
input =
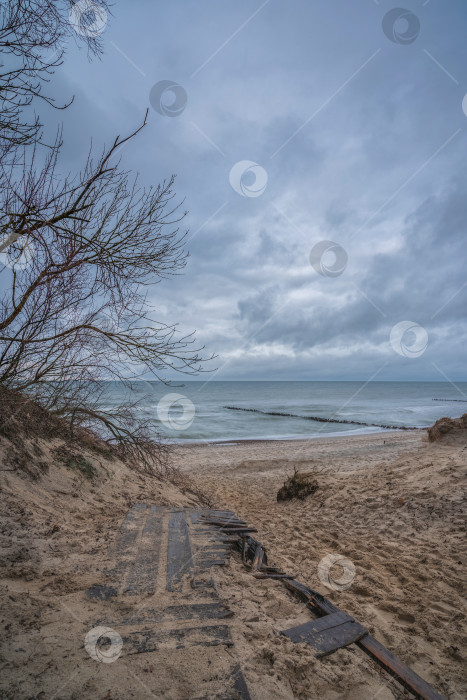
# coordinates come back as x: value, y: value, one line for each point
x: 391, y: 503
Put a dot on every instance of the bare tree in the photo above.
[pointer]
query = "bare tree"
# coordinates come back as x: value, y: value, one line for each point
x: 79, y: 254
x: 32, y: 35
x: 76, y: 311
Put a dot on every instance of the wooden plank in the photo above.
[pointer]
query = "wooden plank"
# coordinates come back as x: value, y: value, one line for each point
x: 130, y: 528
x: 248, y: 546
x: 179, y: 555
x: 327, y: 634
x: 197, y: 611
x: 219, y: 519
x: 411, y: 680
x: 314, y: 599
x: 328, y: 641
x: 404, y: 674
x: 204, y: 588
x: 195, y: 516
x: 132, y: 513
x: 323, y: 607
x: 226, y: 527
x: 125, y: 546
x: 211, y: 534
x: 258, y: 558
x: 239, y: 528
x: 222, y: 518
x: 143, y: 572
x: 222, y: 515
x: 203, y: 560
x: 226, y: 524
x: 239, y: 685
x: 208, y: 563
x: 99, y: 592
x: 327, y: 621
x: 148, y: 640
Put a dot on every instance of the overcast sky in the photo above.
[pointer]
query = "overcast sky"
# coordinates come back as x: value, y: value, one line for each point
x: 354, y: 116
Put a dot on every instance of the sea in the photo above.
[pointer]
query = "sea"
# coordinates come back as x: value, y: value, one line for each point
x: 200, y: 411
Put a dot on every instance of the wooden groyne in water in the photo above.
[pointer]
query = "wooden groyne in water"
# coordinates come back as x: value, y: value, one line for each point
x: 320, y: 419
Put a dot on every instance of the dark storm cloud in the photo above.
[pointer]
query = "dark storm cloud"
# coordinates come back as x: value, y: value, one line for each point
x: 363, y: 141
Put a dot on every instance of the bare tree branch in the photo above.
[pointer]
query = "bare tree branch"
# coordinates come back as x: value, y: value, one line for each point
x: 78, y: 254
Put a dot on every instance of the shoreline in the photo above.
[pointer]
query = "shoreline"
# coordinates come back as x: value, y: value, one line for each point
x: 282, y: 456
x: 338, y: 436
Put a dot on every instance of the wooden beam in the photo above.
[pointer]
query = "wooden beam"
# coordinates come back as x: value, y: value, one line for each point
x: 397, y: 668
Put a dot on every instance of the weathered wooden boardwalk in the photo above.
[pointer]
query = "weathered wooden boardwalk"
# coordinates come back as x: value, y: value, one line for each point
x: 165, y: 557
x: 164, y: 562
x: 333, y: 629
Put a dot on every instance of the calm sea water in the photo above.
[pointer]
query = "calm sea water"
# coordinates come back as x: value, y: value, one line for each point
x: 201, y: 413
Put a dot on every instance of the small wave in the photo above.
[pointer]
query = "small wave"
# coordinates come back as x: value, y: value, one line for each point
x: 456, y: 400
x: 320, y: 419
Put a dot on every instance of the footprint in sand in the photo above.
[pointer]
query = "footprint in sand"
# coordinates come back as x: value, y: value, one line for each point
x: 406, y: 617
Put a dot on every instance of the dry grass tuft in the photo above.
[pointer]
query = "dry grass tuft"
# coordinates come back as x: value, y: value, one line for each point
x: 23, y: 423
x: 299, y: 485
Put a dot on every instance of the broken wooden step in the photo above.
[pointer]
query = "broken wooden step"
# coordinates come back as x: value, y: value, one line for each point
x: 336, y: 629
x: 327, y: 634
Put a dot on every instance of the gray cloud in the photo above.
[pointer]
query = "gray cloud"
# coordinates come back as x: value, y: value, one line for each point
x: 372, y: 170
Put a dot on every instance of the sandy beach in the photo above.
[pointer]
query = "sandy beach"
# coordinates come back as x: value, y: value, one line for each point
x: 389, y: 502
x: 233, y: 388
